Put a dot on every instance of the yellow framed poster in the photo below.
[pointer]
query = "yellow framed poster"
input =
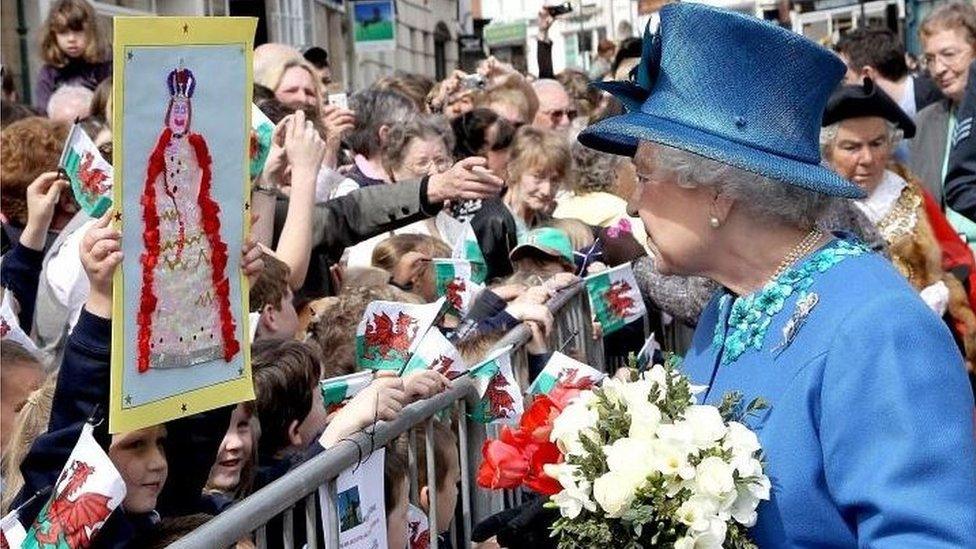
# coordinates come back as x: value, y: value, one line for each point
x: 181, y: 136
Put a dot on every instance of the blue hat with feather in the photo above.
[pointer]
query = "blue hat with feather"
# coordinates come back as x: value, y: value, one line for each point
x: 731, y: 88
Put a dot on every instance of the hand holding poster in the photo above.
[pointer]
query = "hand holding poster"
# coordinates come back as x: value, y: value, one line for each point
x: 182, y: 89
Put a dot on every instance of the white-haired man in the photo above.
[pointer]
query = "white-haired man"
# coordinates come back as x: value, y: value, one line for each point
x: 556, y: 108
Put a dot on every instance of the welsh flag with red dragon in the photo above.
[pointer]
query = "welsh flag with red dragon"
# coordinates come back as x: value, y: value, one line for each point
x: 87, y: 491
x: 89, y: 173
x: 436, y: 353
x: 501, y: 395
x: 615, y: 298
x: 389, y: 333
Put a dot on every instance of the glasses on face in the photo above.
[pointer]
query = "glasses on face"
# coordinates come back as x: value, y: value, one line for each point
x: 946, y: 57
x: 558, y: 114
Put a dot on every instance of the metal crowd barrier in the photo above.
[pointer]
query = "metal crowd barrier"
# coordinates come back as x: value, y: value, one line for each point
x: 251, y: 515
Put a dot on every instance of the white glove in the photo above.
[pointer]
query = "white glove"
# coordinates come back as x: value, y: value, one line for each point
x: 936, y: 297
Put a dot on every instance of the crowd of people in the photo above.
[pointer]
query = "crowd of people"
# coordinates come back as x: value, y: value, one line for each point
x: 354, y: 203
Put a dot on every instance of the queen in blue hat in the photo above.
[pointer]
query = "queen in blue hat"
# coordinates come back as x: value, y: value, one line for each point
x: 869, y: 437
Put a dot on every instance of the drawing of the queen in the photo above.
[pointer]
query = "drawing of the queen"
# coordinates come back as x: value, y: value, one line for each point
x: 184, y: 311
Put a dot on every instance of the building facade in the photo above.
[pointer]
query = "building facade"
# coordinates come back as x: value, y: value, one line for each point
x: 426, y: 33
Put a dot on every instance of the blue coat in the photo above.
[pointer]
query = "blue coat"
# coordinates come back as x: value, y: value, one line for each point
x: 869, y: 437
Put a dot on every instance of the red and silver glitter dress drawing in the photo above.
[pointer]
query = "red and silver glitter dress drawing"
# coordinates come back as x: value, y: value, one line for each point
x: 184, y: 311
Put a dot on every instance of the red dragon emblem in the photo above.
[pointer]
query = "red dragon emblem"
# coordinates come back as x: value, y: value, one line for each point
x: 497, y: 402
x: 442, y: 364
x: 4, y: 328
x: 619, y: 299
x: 383, y: 336
x: 92, y: 179
x: 419, y: 539
x: 570, y: 378
x: 454, y: 291
x: 70, y: 520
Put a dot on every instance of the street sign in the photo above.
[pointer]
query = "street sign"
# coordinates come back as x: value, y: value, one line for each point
x: 471, y: 43
x: 374, y: 25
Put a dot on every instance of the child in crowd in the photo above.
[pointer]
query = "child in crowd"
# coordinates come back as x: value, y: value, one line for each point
x: 288, y: 405
x: 20, y: 376
x: 447, y: 466
x: 73, y: 50
x: 271, y: 302
x: 30, y: 422
x: 232, y: 474
x: 407, y: 258
x: 335, y: 334
x: 142, y: 457
x: 396, y: 496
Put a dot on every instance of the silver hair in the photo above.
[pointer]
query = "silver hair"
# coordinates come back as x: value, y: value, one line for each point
x: 829, y: 133
x: 421, y: 126
x: 374, y: 109
x: 767, y: 198
x: 70, y: 102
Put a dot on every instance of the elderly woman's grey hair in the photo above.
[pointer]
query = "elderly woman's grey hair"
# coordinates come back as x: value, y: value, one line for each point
x: 594, y: 169
x: 829, y: 133
x: 767, y: 198
x: 375, y: 109
x: 418, y: 127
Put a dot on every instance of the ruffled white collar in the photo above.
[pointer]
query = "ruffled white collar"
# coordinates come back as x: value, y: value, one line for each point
x: 882, y: 200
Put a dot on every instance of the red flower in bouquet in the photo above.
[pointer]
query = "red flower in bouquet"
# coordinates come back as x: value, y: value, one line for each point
x: 535, y: 478
x: 518, y: 456
x: 536, y: 422
x: 503, y: 465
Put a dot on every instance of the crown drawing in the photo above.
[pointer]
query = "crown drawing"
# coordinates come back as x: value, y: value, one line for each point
x: 181, y: 82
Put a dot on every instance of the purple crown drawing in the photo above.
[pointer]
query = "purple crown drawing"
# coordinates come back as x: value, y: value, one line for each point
x: 181, y: 82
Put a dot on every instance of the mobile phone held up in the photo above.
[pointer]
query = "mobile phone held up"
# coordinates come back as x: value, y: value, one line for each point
x: 473, y: 82
x: 559, y: 9
x: 339, y: 100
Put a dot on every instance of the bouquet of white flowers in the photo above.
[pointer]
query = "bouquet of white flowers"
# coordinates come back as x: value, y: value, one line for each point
x: 643, y: 465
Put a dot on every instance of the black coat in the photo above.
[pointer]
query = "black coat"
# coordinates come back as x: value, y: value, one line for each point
x: 494, y: 226
x: 350, y: 219
x: 960, y: 181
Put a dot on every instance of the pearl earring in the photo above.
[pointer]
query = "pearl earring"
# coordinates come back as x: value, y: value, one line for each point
x: 714, y: 222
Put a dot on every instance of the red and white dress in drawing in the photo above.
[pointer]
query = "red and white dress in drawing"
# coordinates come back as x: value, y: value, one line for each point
x: 184, y: 311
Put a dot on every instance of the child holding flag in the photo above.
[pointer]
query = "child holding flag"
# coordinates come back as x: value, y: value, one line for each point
x: 141, y: 458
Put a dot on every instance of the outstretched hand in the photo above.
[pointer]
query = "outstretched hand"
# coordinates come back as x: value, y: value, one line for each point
x: 43, y: 195
x: 382, y: 400
x: 101, y: 253
x: 467, y: 179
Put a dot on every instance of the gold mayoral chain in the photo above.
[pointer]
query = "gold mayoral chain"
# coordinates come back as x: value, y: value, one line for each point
x: 801, y: 249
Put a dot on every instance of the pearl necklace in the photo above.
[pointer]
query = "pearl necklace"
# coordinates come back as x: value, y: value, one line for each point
x: 802, y: 248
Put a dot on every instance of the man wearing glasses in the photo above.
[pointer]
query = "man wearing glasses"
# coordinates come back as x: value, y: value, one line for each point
x: 556, y: 109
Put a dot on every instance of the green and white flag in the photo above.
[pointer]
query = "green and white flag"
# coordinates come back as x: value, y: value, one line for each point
x: 453, y: 279
x: 262, y: 129
x: 501, y: 396
x: 564, y: 371
x: 436, y: 353
x: 89, y: 173
x: 615, y: 298
x: 84, y: 496
x: 390, y: 332
x: 337, y: 390
x: 646, y: 354
x: 466, y: 247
